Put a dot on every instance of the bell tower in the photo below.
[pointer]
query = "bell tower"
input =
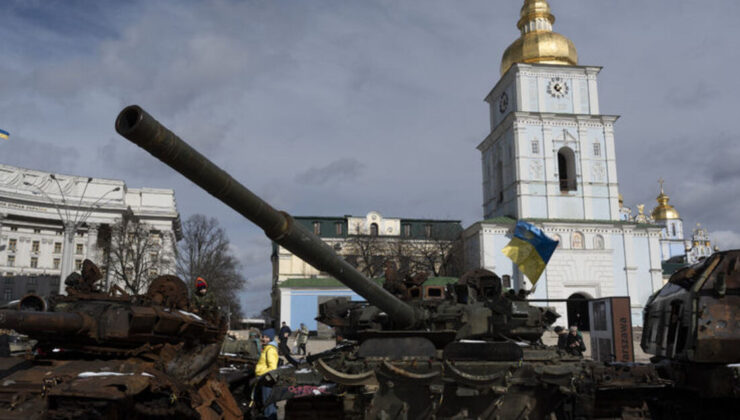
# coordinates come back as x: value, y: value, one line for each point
x: 550, y: 153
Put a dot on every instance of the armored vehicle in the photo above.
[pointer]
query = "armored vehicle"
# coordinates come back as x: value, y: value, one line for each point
x: 114, y: 355
x: 470, y: 350
x: 692, y: 326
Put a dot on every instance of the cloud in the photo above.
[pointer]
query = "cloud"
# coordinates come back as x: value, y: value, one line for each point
x: 338, y: 171
x: 725, y: 239
x: 329, y: 107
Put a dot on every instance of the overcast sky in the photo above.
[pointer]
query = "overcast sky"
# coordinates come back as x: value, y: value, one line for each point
x: 343, y: 107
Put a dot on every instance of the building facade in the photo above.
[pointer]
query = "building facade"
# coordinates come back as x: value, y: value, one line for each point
x: 366, y: 242
x: 550, y: 160
x: 35, y: 205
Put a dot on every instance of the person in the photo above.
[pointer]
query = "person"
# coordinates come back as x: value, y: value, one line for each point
x: 574, y: 342
x: 267, y: 362
x: 302, y: 339
x: 284, y: 335
x: 203, y: 302
x: 562, y: 337
x: 254, y: 344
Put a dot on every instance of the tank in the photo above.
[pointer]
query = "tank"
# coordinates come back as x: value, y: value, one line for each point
x: 692, y: 327
x: 413, y: 350
x: 114, y: 355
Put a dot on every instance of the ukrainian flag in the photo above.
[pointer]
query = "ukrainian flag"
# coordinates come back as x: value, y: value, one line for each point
x: 4, y: 134
x: 530, y: 249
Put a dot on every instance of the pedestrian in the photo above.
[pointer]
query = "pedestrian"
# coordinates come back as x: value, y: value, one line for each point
x: 562, y: 338
x: 285, y: 332
x: 267, y: 362
x: 283, y: 338
x: 302, y: 339
x: 574, y: 342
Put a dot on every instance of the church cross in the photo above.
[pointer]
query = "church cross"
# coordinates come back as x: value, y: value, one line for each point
x: 661, y: 181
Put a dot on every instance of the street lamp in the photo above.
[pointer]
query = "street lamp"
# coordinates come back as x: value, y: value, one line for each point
x: 71, y: 223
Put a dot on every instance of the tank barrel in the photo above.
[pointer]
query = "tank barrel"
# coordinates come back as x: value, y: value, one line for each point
x: 32, y: 322
x: 139, y: 127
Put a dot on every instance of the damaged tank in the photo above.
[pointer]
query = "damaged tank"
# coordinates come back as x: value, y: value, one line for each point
x: 468, y: 350
x: 114, y: 355
x: 692, y: 327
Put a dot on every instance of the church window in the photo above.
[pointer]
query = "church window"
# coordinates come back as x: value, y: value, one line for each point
x: 597, y: 149
x: 374, y: 229
x: 673, y: 229
x: 406, y: 230
x: 576, y: 241
x: 428, y: 231
x: 535, y: 147
x: 338, y: 227
x: 567, y: 169
x: 598, y: 242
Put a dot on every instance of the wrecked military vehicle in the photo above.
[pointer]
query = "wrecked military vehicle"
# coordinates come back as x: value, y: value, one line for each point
x: 114, y: 355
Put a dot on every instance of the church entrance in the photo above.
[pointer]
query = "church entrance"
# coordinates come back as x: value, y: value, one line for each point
x: 578, y: 311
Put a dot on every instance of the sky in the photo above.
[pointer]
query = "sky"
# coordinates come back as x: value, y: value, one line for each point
x: 347, y: 106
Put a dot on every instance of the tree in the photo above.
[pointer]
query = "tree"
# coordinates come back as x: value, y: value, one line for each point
x: 135, y: 254
x: 205, y: 251
x: 368, y: 253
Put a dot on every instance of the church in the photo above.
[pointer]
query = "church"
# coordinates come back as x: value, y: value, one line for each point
x: 550, y: 160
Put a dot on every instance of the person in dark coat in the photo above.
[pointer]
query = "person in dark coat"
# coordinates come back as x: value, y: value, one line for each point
x: 562, y: 338
x: 574, y: 342
x: 284, y: 335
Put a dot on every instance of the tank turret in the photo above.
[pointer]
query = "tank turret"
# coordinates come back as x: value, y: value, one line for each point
x: 138, y: 126
x: 455, y: 317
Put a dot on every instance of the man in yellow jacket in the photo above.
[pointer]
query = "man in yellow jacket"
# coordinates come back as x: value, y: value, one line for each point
x: 267, y: 362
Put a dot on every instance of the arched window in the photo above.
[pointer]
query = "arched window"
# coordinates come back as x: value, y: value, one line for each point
x: 598, y: 242
x: 576, y: 241
x: 567, y: 169
x: 374, y: 229
x: 673, y: 229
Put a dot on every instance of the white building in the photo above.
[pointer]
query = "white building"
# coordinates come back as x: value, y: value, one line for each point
x: 34, y: 203
x: 675, y: 248
x: 369, y: 240
x: 550, y: 160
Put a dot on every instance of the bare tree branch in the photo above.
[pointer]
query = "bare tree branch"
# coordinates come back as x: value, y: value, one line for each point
x: 205, y: 251
x: 135, y: 256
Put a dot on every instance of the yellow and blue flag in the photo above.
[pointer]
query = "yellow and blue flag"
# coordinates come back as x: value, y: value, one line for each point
x: 530, y: 249
x: 4, y: 134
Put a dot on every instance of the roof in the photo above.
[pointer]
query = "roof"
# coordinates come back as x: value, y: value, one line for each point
x: 334, y: 283
x: 505, y: 220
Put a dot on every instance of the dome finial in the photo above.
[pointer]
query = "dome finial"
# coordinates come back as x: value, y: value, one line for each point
x: 538, y: 43
x: 664, y: 211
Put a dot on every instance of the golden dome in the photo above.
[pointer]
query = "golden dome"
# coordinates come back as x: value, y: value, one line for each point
x: 538, y: 43
x: 664, y: 211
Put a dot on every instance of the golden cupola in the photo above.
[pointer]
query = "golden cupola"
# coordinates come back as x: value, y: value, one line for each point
x: 538, y: 43
x: 664, y: 211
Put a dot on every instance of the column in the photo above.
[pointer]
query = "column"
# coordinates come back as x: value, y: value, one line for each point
x: 68, y: 263
x: 92, y: 242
